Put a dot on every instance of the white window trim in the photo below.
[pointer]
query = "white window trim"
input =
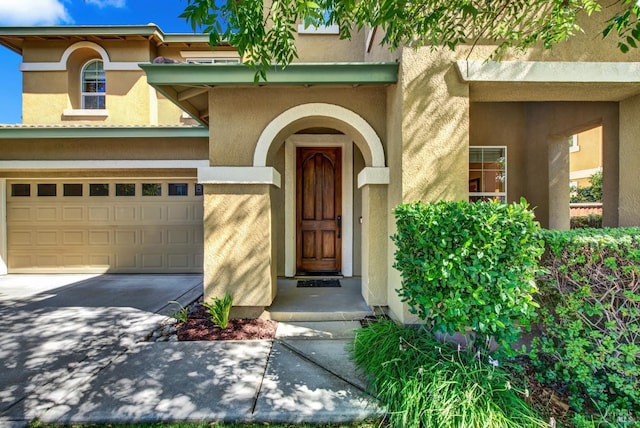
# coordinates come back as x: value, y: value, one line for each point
x: 217, y: 60
x: 506, y: 178
x: 584, y: 173
x: 96, y: 94
x: 322, y: 29
x: 92, y: 113
x: 210, y: 54
x: 573, y: 145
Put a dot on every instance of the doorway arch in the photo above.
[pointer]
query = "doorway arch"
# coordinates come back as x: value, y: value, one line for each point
x: 356, y: 131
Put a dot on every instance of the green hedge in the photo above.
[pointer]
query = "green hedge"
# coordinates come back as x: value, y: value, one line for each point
x: 583, y: 222
x: 469, y: 265
x: 590, y: 295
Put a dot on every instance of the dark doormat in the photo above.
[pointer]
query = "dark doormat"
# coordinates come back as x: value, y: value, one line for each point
x: 319, y: 283
x: 320, y: 273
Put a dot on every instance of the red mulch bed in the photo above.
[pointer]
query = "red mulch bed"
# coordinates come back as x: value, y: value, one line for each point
x: 199, y: 327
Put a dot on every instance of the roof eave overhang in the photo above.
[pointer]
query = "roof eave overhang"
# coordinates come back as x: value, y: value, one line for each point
x: 173, y: 80
x: 12, y: 37
x: 27, y: 132
x: 550, y: 80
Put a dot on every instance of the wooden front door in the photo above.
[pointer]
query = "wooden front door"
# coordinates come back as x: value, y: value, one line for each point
x: 318, y: 209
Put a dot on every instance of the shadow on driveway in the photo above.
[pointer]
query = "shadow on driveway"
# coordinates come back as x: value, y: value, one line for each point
x: 56, y: 331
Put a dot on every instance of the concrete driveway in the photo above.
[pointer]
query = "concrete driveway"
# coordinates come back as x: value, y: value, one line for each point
x: 53, y: 326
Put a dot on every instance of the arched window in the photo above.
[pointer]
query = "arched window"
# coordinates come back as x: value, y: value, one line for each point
x: 93, y: 85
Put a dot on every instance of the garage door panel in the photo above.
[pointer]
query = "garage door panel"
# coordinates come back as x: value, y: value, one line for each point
x: 73, y: 238
x: 125, y: 214
x: 153, y: 213
x: 125, y: 237
x: 178, y: 237
x: 48, y: 237
x: 99, y: 237
x: 73, y: 214
x: 178, y: 261
x: 152, y: 237
x: 125, y: 261
x: 47, y: 260
x: 20, y: 214
x: 74, y: 260
x: 100, y: 261
x: 47, y: 214
x: 104, y: 232
x: 21, y: 238
x: 99, y: 214
x: 178, y: 213
x: 152, y: 261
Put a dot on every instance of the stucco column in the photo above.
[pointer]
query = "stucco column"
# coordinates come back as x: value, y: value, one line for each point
x: 239, y: 242
x: 3, y: 227
x: 559, y: 191
x: 374, y: 244
x: 434, y: 162
x: 629, y: 196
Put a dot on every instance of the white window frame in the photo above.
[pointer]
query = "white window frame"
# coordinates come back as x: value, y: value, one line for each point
x: 573, y: 144
x: 502, y: 194
x: 221, y: 60
x: 96, y: 94
x: 321, y: 29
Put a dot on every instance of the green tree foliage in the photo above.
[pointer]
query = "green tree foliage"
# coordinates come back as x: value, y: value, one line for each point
x: 592, y: 193
x: 264, y: 31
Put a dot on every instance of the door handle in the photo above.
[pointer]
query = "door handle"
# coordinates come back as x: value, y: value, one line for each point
x: 339, y: 221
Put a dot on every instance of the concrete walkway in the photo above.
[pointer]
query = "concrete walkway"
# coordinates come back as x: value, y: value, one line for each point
x: 73, y: 351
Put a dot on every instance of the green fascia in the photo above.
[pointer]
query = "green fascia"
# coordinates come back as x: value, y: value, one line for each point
x: 18, y: 132
x: 364, y: 73
x: 104, y: 30
x: 82, y: 30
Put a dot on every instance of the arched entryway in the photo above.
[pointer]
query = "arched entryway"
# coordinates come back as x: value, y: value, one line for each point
x: 349, y: 131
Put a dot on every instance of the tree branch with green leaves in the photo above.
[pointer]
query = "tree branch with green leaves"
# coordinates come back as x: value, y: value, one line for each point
x: 264, y: 31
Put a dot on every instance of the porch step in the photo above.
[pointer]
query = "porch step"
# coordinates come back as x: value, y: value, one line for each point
x: 344, y: 303
x: 297, y: 316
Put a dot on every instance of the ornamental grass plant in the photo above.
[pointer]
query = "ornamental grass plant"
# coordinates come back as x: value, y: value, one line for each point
x: 426, y: 383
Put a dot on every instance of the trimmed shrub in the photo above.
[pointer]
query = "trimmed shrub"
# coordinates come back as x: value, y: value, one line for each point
x: 590, y: 295
x: 587, y: 221
x: 469, y: 266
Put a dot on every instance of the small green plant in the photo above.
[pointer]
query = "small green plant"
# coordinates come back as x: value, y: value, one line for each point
x: 469, y: 266
x: 591, y: 193
x: 587, y: 221
x: 219, y: 310
x: 180, y: 314
x: 590, y: 323
x: 425, y: 383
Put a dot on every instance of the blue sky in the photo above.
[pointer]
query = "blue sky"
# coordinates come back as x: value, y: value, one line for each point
x: 164, y: 13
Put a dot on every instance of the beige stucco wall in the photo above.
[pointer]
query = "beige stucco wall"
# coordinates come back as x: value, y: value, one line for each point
x: 504, y: 124
x: 629, y: 156
x: 528, y: 130
x: 588, y: 156
x: 329, y: 48
x: 172, y: 173
x: 46, y: 94
x: 234, y: 138
x: 105, y: 148
x: 428, y: 142
x: 238, y: 227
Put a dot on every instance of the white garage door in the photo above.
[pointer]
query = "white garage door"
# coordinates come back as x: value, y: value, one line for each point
x: 100, y: 225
